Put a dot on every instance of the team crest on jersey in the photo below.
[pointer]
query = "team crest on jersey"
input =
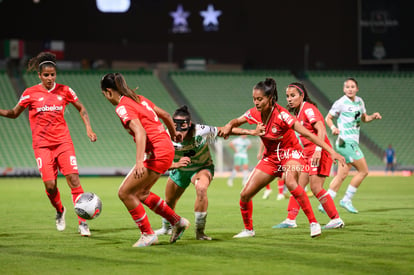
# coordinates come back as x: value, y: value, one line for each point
x: 41, y: 99
x: 274, y: 130
x: 309, y: 112
x: 59, y: 97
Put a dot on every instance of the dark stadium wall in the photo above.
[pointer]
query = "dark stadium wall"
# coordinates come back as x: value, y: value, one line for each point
x: 257, y: 34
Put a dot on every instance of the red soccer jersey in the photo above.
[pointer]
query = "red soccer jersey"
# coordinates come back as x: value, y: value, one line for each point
x: 279, y: 136
x: 128, y: 109
x: 307, y: 116
x: 46, y: 113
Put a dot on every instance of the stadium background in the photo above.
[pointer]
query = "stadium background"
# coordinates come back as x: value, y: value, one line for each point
x: 211, y: 71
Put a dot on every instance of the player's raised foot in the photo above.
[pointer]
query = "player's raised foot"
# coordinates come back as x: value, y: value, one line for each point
x: 266, y: 194
x: 320, y: 208
x: 286, y: 224
x: 60, y: 220
x: 334, y: 223
x: 146, y: 240
x: 201, y: 236
x: 315, y: 229
x: 163, y: 231
x: 245, y: 234
x: 178, y: 229
x: 83, y: 229
x: 348, y: 206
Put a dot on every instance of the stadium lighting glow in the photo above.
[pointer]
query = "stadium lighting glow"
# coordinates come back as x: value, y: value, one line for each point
x: 113, y: 6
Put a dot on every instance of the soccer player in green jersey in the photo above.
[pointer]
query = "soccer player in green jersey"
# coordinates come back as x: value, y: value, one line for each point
x: 349, y: 111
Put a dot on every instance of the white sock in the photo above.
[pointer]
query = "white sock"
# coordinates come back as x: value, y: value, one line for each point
x: 350, y: 192
x: 200, y: 220
x: 245, y: 175
x: 233, y: 174
x: 332, y: 193
x: 166, y: 224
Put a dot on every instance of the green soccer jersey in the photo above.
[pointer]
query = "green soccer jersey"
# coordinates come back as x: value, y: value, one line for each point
x: 196, y: 148
x: 348, y: 114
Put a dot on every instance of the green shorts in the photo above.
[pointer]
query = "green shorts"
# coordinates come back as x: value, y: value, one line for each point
x: 239, y: 161
x: 350, y: 151
x: 183, y: 178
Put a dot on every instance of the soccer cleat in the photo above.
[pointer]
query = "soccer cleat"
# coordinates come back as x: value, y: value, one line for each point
x: 178, y: 229
x: 334, y: 223
x: 83, y: 229
x: 229, y: 182
x: 201, y: 236
x: 286, y: 224
x: 245, y: 234
x: 146, y: 240
x: 266, y: 194
x: 280, y: 197
x: 320, y: 208
x: 60, y: 220
x: 163, y: 231
x: 315, y: 229
x: 348, y: 206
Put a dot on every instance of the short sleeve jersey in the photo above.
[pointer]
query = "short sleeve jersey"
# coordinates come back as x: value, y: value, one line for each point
x: 46, y: 113
x: 128, y: 109
x: 307, y: 116
x: 348, y: 114
x: 241, y: 145
x: 196, y: 148
x: 279, y: 135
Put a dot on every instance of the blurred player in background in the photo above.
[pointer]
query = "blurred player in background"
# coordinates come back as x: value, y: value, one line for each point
x: 240, y: 146
x: 390, y: 159
x: 52, y: 143
x: 154, y: 156
x: 283, y: 153
x: 318, y: 163
x: 349, y: 111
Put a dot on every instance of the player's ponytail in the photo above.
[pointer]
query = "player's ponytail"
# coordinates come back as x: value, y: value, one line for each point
x: 116, y: 81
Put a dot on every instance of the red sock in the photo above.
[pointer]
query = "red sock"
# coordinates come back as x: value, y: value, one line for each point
x: 293, y: 208
x: 281, y: 186
x: 55, y: 200
x: 141, y: 219
x: 160, y: 207
x: 75, y: 193
x: 246, y: 209
x: 268, y: 187
x: 328, y: 204
x: 303, y: 200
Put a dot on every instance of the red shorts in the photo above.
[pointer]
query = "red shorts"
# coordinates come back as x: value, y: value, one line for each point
x: 50, y: 159
x: 324, y: 168
x: 275, y: 165
x: 161, y: 158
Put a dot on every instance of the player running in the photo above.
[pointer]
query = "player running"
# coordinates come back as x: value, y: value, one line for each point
x: 317, y: 161
x: 154, y: 155
x: 349, y: 111
x: 283, y: 154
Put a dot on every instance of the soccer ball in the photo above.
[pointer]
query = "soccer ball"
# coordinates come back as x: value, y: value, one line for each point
x: 88, y: 206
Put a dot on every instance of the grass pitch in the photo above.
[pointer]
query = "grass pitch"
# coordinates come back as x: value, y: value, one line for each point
x: 378, y: 240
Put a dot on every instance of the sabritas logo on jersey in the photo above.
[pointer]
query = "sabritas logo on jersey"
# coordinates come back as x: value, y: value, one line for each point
x: 285, y: 117
x: 48, y: 108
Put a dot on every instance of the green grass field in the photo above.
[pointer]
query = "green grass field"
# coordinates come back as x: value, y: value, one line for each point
x: 378, y: 240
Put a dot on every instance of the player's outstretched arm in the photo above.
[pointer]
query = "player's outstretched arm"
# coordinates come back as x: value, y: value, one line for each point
x: 12, y: 113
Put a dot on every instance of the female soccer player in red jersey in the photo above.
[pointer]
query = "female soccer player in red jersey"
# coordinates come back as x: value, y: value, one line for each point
x: 52, y: 144
x: 154, y: 156
x: 283, y: 153
x: 317, y: 161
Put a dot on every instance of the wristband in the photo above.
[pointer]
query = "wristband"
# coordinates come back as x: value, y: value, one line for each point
x: 333, y: 127
x: 318, y: 149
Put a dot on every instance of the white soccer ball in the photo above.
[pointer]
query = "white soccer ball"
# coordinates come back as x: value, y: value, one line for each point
x: 88, y: 206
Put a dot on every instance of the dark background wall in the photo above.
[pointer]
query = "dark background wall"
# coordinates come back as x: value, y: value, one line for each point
x: 257, y: 34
